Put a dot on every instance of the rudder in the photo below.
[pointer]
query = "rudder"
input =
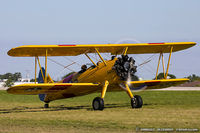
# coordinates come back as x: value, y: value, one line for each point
x: 41, y: 80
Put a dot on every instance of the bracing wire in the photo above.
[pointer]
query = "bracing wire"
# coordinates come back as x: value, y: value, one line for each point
x: 94, y: 57
x: 71, y: 60
x: 149, y: 59
x: 56, y: 62
x: 107, y: 55
x: 64, y: 67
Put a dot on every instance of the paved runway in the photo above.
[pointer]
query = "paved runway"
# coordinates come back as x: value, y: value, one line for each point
x: 3, y: 88
x: 179, y: 89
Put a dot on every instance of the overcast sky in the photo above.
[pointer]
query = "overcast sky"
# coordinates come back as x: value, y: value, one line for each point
x: 38, y: 22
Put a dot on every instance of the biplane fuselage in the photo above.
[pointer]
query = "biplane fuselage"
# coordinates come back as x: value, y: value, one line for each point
x: 98, y: 75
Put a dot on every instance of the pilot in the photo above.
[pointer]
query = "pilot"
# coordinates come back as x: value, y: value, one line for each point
x: 83, y: 69
x: 98, y: 63
x: 113, y: 57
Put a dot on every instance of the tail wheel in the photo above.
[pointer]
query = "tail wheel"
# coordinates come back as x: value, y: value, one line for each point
x: 46, y: 105
x: 98, y: 103
x: 136, y: 102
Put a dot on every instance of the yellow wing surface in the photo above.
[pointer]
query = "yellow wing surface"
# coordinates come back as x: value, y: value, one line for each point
x: 155, y: 84
x: 73, y: 50
x: 34, y: 89
x: 77, y: 89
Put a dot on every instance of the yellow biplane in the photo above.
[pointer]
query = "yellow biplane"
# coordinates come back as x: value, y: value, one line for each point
x: 108, y: 75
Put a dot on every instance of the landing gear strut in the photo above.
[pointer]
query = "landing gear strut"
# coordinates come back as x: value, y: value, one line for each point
x: 136, y: 101
x: 98, y: 102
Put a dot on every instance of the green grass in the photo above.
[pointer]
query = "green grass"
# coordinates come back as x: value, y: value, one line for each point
x: 161, y: 109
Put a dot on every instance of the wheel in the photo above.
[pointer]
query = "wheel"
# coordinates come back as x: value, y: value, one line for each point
x: 98, y: 103
x: 136, y: 102
x: 46, y: 105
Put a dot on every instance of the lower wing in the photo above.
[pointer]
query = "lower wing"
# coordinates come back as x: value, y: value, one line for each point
x: 34, y: 89
x: 155, y: 84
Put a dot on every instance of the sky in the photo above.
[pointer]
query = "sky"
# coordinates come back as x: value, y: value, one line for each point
x: 42, y: 22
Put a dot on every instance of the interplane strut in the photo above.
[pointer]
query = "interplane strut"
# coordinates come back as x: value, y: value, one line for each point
x: 167, y: 69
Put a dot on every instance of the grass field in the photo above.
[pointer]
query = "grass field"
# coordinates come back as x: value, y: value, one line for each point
x: 161, y: 109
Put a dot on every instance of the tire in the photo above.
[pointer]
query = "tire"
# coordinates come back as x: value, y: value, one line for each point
x: 46, y: 105
x: 136, y: 102
x: 98, y: 103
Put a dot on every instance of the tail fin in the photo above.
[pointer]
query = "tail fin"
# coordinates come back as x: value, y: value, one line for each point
x: 41, y: 74
x: 41, y: 80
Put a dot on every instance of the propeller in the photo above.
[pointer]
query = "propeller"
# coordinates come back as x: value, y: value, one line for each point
x: 126, y: 69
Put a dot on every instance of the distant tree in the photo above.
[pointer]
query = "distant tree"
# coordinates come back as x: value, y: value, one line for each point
x: 134, y: 78
x: 8, y: 83
x: 193, y: 77
x: 6, y: 76
x: 67, y: 75
x: 11, y: 78
x: 33, y: 80
x: 14, y: 77
x: 164, y: 85
x: 161, y: 76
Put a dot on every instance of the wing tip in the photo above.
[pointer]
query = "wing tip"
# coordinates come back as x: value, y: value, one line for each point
x: 9, y: 90
x: 10, y: 52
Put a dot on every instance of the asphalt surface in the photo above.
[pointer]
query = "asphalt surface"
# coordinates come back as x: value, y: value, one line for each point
x: 3, y: 88
x: 179, y: 89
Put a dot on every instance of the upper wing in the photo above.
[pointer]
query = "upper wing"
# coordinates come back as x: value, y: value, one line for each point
x: 33, y: 89
x: 73, y: 50
x: 155, y: 84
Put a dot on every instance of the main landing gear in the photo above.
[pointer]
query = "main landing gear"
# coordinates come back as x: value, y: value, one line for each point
x: 98, y: 102
x: 136, y: 101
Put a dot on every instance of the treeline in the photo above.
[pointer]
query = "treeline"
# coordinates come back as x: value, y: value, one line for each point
x: 193, y: 77
x: 161, y: 76
x: 9, y: 76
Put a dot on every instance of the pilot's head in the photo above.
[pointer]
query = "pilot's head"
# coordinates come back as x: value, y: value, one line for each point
x: 83, y: 67
x: 98, y: 63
